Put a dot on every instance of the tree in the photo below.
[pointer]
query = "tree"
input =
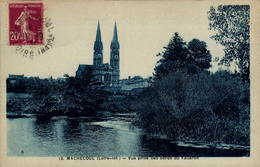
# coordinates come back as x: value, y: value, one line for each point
x: 83, y: 82
x: 199, y: 54
x: 231, y: 23
x: 179, y: 56
x: 173, y: 58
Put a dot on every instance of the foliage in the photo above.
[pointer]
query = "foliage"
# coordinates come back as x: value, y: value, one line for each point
x: 69, y: 96
x: 231, y: 23
x: 197, y: 107
x: 199, y: 54
x: 80, y: 98
x: 179, y: 56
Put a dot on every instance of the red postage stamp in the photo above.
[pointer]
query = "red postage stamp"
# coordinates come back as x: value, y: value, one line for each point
x: 26, y: 23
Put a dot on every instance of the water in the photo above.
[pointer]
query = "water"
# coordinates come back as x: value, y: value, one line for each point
x: 64, y: 136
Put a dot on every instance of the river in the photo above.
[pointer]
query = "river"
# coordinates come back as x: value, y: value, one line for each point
x: 114, y: 136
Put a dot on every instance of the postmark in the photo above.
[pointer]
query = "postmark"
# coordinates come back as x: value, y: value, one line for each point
x: 26, y: 24
x: 37, y: 50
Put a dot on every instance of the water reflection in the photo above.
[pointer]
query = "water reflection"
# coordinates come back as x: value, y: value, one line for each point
x: 64, y: 136
x: 44, y: 128
x: 72, y: 130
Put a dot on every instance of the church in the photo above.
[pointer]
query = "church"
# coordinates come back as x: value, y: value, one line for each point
x: 105, y: 73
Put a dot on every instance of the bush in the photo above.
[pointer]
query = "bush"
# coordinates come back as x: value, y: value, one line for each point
x: 54, y: 97
x: 201, y: 107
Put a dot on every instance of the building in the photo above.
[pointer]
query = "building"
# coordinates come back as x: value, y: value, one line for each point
x: 134, y: 83
x: 104, y: 73
x: 12, y: 78
x: 107, y: 75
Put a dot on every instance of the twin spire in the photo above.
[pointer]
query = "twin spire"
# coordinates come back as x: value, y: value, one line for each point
x: 114, y: 41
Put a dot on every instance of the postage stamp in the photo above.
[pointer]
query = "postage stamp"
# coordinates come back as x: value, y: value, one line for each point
x: 26, y: 24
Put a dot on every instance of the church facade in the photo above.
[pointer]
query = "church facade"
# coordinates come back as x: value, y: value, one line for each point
x: 105, y: 73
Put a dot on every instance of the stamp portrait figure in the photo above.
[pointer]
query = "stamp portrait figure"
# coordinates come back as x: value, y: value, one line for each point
x: 23, y: 22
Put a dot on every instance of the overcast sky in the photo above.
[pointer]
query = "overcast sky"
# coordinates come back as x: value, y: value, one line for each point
x: 144, y: 28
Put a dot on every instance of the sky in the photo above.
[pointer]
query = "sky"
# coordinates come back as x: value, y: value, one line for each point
x: 144, y: 28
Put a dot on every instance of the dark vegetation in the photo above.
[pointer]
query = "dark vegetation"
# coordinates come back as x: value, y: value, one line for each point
x: 201, y: 107
x: 70, y: 96
x: 231, y: 24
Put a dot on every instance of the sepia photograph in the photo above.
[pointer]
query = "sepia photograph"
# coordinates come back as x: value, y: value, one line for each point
x: 127, y: 80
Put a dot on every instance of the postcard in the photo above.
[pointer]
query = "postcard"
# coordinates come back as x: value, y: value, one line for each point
x: 133, y: 83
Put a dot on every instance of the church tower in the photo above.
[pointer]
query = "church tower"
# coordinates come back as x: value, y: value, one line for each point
x: 98, y: 48
x: 114, y: 56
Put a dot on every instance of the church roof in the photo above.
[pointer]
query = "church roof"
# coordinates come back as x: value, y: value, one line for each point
x: 105, y: 67
x: 83, y: 67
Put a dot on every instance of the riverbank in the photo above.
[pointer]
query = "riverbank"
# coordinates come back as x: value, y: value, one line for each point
x: 21, y: 105
x: 111, y: 121
x: 203, y: 145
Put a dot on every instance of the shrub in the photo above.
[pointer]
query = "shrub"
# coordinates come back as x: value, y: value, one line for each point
x: 202, y: 107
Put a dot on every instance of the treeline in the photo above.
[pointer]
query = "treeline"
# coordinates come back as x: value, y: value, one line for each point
x: 187, y: 102
x: 23, y: 84
x: 70, y: 96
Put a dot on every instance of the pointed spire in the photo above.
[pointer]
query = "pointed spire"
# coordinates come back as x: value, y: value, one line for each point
x: 115, y: 42
x: 98, y: 35
x: 98, y: 45
x: 115, y: 37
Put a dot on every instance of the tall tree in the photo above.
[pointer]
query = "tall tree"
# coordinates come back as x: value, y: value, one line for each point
x: 173, y: 58
x: 231, y: 23
x: 199, y: 54
x: 179, y: 56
